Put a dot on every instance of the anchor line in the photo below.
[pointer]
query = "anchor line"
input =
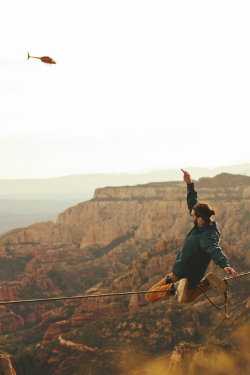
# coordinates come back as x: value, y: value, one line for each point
x: 99, y: 295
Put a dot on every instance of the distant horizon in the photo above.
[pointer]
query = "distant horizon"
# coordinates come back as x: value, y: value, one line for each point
x: 54, y: 155
x: 211, y: 168
x: 25, y: 201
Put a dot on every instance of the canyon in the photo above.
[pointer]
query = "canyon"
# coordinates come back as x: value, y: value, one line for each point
x: 124, y: 239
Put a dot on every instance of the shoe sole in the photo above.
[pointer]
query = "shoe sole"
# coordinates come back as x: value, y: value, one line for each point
x: 215, y: 281
x: 181, y: 291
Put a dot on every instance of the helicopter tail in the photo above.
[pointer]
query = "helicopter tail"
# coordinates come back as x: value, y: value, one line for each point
x: 28, y: 56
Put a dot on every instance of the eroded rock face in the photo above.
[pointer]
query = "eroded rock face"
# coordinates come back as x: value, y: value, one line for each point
x: 141, y: 275
x: 152, y: 211
x: 6, y: 366
x: 9, y: 321
x: 55, y: 330
x: 99, y: 238
x: 8, y: 293
x: 142, y: 331
x: 35, y: 271
x: 182, y: 352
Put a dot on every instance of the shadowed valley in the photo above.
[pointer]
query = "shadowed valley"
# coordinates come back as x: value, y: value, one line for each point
x: 124, y: 239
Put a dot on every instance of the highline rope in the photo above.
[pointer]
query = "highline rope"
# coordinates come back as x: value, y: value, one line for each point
x: 79, y: 297
x: 98, y: 295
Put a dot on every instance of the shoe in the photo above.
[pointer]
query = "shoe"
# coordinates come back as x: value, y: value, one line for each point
x: 215, y: 281
x: 181, y: 289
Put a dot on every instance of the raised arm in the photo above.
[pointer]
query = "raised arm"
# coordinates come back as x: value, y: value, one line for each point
x: 192, y: 197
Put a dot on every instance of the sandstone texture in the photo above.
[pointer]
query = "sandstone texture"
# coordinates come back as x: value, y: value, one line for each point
x: 124, y: 239
x: 156, y: 210
x: 100, y: 333
x: 6, y: 366
x: 99, y: 238
x: 55, y: 330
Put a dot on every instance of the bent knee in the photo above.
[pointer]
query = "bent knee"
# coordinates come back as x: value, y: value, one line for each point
x: 149, y: 297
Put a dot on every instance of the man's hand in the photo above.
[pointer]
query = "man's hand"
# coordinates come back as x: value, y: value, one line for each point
x: 186, y: 177
x: 230, y: 270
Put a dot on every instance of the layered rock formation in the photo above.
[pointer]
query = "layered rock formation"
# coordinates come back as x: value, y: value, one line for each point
x: 101, y: 237
x: 105, y: 332
x: 163, y: 336
x: 156, y: 210
x: 55, y: 330
x: 102, y: 246
x: 6, y: 366
x: 141, y: 274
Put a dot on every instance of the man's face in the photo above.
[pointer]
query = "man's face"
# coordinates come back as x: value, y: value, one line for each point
x: 194, y: 218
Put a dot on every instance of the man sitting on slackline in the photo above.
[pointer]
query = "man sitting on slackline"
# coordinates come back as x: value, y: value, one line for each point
x: 199, y: 248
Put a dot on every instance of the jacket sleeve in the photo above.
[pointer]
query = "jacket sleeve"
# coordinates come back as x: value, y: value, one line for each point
x: 209, y: 244
x: 192, y: 198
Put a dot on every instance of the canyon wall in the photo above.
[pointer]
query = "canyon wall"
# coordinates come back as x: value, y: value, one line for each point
x: 99, y: 238
x: 152, y: 211
x: 124, y: 239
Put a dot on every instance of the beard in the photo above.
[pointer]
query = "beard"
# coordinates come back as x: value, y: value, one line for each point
x: 196, y: 223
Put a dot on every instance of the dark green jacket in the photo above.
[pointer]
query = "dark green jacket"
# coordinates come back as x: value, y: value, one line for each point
x: 200, y: 246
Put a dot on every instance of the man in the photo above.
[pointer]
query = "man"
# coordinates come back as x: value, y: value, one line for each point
x: 199, y: 248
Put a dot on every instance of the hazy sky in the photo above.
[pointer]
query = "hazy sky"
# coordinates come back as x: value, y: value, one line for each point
x: 138, y: 85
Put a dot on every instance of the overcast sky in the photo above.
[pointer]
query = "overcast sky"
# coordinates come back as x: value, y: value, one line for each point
x: 138, y: 85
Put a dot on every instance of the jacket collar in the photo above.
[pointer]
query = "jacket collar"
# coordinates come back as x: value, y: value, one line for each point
x: 212, y: 226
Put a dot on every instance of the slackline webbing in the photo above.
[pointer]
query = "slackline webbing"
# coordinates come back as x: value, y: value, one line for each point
x: 225, y: 293
x: 225, y: 298
x: 98, y: 295
x: 79, y: 297
x: 241, y: 274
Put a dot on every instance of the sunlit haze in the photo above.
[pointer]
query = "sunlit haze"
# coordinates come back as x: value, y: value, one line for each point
x: 138, y: 86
